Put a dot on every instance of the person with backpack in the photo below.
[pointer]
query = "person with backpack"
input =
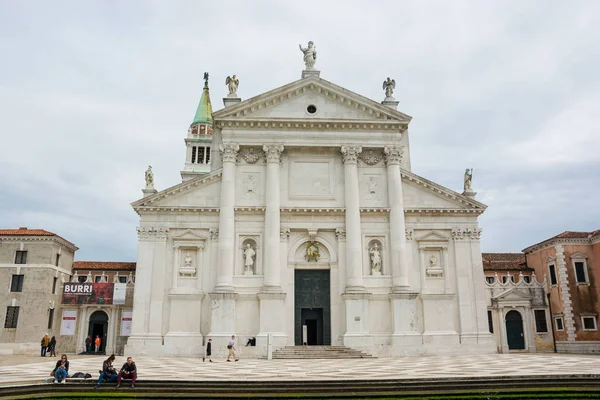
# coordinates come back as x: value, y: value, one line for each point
x: 108, y: 372
x: 45, y: 343
x: 231, y: 348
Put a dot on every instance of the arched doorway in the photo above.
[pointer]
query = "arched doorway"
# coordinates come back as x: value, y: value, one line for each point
x: 514, y: 331
x: 99, y: 327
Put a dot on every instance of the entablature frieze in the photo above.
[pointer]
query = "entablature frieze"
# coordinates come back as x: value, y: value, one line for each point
x: 466, y: 233
x: 146, y: 233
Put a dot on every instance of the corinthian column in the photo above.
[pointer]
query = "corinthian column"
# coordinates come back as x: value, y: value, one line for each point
x: 227, y: 218
x: 354, y: 279
x: 400, y: 282
x: 272, y: 219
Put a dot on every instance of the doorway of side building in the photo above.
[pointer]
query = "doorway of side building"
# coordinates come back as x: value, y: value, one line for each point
x: 98, y: 327
x: 312, y: 308
x: 514, y: 331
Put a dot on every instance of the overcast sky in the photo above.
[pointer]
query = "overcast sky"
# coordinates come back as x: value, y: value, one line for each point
x: 92, y: 92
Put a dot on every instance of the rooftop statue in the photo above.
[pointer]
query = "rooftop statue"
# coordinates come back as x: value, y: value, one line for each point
x: 310, y: 55
x: 389, y: 85
x: 232, y: 84
x: 149, y: 177
x: 468, y: 178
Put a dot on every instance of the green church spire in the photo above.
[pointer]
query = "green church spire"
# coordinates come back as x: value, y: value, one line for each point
x: 204, y: 111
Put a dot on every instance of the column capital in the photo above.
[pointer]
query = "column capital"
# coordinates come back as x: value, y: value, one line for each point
x: 340, y: 233
x: 229, y: 152
x: 284, y: 234
x: 273, y: 152
x: 350, y: 154
x: 466, y: 233
x: 393, y: 155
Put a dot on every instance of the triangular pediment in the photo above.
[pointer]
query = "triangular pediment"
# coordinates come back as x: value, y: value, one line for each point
x: 332, y: 103
x: 202, y: 192
x: 189, y: 234
x: 513, y: 294
x: 432, y: 236
x: 422, y: 194
x: 578, y: 256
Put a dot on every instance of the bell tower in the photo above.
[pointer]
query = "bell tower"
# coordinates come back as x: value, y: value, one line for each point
x: 199, y: 138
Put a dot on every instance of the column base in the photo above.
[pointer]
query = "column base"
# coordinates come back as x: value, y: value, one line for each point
x: 183, y: 344
x: 359, y: 341
x: 407, y: 344
x: 144, y: 345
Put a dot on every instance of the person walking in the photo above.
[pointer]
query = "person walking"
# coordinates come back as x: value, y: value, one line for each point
x: 61, y: 370
x: 88, y: 344
x: 208, y: 351
x: 52, y: 347
x: 97, y: 342
x: 231, y: 348
x: 45, y: 342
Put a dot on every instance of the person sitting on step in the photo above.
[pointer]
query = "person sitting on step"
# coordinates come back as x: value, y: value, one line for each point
x: 128, y: 371
x: 108, y: 372
x: 61, y: 370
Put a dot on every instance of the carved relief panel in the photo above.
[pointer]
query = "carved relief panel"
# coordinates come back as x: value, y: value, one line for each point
x: 373, y: 187
x: 249, y: 189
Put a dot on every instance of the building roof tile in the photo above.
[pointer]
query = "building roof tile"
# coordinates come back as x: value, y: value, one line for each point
x: 104, y: 265
x: 24, y: 231
x: 504, y: 262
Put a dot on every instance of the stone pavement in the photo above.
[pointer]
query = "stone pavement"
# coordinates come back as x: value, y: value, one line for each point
x: 24, y: 369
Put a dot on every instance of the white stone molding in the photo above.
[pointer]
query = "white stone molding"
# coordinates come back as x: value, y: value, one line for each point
x: 284, y: 234
x: 303, y: 125
x: 565, y: 294
x: 214, y: 233
x: 371, y: 156
x: 340, y: 234
x: 393, y: 155
x: 273, y: 152
x: 251, y: 155
x: 350, y: 154
x: 466, y: 233
x: 229, y: 152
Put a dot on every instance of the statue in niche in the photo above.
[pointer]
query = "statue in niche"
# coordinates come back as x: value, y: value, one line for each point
x: 467, y: 179
x: 375, y: 259
x: 249, y: 254
x: 373, y: 189
x: 187, y: 269
x: 187, y: 260
x: 310, y: 55
x: 312, y: 252
x: 149, y: 177
x: 433, y: 262
x: 389, y: 85
x: 434, y: 269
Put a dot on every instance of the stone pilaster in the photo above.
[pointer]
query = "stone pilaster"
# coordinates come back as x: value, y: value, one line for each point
x: 227, y: 218
x: 406, y: 338
x: 354, y: 273
x: 272, y: 274
x: 565, y: 294
x: 399, y: 256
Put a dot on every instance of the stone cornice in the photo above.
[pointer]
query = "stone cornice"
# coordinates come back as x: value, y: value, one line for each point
x: 373, y: 110
x: 560, y: 241
x: 194, y: 182
x: 312, y: 210
x: 56, y: 239
x: 176, y: 209
x: 437, y: 211
x: 303, y: 124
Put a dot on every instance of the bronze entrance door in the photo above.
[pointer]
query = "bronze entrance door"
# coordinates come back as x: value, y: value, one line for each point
x: 312, y: 307
x: 514, y: 331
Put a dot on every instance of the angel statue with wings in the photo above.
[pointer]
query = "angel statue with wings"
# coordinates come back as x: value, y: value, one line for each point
x: 389, y: 85
x: 232, y: 84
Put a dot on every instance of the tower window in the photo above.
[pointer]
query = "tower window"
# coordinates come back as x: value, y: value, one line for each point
x: 193, y: 154
x: 201, y: 155
x: 207, y: 155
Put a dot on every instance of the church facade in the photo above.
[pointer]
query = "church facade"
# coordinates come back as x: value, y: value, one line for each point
x: 299, y: 221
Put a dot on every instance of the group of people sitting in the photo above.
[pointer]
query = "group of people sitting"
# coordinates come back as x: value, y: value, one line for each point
x: 108, y: 373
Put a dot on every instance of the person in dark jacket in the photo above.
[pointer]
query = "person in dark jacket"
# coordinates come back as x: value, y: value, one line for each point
x: 52, y: 346
x: 88, y: 344
x: 108, y: 371
x: 61, y: 370
x: 208, y: 351
x: 128, y: 371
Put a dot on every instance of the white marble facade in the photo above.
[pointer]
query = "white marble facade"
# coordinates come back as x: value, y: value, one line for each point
x: 284, y: 178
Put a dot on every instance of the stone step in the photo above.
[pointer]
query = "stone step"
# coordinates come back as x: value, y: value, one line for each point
x: 319, y: 352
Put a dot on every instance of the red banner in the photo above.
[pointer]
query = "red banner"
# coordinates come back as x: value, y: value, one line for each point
x: 88, y: 293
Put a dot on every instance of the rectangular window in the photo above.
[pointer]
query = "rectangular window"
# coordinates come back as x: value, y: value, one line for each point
x: 51, y: 318
x: 208, y: 156
x: 540, y: 321
x: 193, y: 154
x: 122, y: 279
x: 17, y: 283
x: 527, y: 279
x: 580, y: 272
x: 489, y: 279
x: 81, y: 279
x: 201, y: 155
x: 12, y: 317
x: 589, y: 323
x: 490, y: 322
x: 559, y: 324
x: 21, y: 257
x: 98, y: 279
x: 57, y: 259
x: 552, y: 270
x: 54, y: 282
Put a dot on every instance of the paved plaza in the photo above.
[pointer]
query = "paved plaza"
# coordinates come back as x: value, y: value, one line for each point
x: 28, y: 369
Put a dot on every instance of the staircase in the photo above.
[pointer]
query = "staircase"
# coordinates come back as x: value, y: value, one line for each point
x: 315, y: 352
